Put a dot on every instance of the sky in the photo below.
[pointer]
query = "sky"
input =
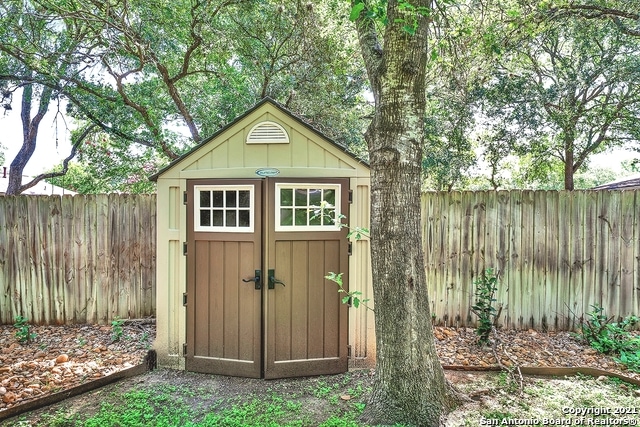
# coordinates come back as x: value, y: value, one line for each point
x: 46, y: 154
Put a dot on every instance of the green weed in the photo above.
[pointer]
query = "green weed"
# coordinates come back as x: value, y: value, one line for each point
x: 486, y: 287
x: 23, y: 332
x: 613, y: 338
x: 117, y: 329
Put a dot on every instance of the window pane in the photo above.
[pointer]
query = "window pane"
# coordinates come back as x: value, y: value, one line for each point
x: 243, y: 218
x: 217, y: 199
x: 301, y: 217
x: 286, y: 216
x: 301, y: 197
x: 315, y: 197
x: 217, y: 218
x: 245, y: 200
x: 329, y: 217
x: 330, y: 197
x: 231, y: 219
x: 286, y: 197
x: 231, y: 198
x: 315, y: 219
x: 205, y: 199
x: 205, y: 218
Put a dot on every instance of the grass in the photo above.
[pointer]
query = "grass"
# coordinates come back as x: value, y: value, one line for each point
x: 324, y: 403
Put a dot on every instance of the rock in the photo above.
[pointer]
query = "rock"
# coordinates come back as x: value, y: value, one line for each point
x: 62, y: 359
x: 601, y: 378
x: 3, y: 391
x: 9, y: 397
x: 345, y: 397
x: 5, y: 369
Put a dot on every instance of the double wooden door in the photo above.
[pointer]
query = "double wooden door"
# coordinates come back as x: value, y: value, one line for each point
x: 257, y: 302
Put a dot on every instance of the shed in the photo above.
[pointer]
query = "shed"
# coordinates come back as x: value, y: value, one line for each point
x: 242, y: 253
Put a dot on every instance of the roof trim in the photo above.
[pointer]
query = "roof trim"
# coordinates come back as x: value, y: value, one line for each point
x: 241, y: 117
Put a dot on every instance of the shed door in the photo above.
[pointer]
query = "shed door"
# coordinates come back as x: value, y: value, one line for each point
x: 294, y: 324
x: 224, y: 309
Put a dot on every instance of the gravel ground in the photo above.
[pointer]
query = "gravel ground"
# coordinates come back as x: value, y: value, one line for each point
x: 61, y: 357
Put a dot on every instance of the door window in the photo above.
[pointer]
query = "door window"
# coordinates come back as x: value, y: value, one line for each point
x: 306, y: 207
x: 224, y: 208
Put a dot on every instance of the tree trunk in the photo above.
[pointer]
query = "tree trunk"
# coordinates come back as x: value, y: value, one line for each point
x: 29, y: 135
x: 568, y: 165
x: 410, y: 386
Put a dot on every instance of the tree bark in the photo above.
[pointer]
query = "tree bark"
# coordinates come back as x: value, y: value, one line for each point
x: 410, y: 387
x: 29, y: 135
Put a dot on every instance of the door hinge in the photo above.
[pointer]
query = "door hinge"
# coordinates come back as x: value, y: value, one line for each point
x: 184, y: 248
x: 184, y: 299
x: 184, y: 349
x: 350, y: 196
x: 349, y: 351
x: 349, y: 248
x: 184, y: 198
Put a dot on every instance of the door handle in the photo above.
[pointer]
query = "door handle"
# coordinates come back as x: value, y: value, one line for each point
x: 257, y: 279
x: 273, y: 280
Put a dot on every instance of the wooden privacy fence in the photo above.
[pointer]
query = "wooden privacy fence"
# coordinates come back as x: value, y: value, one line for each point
x: 557, y: 253
x: 77, y: 259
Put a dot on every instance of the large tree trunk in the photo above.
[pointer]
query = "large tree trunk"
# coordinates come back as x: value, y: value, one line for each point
x: 410, y: 386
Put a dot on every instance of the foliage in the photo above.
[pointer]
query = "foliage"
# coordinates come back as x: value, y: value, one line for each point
x: 117, y: 329
x: 486, y: 286
x: 156, y: 79
x: 610, y: 337
x: 23, y: 332
x: 351, y: 297
x: 562, y: 91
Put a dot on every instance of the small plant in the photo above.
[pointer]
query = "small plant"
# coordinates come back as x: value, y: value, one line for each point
x: 486, y: 287
x: 610, y: 337
x: 23, y: 333
x: 116, y: 329
x: 351, y: 297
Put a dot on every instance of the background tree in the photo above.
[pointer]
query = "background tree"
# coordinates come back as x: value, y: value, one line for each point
x: 157, y: 78
x: 569, y: 92
x: 409, y: 386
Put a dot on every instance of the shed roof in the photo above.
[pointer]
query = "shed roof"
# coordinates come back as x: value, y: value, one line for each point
x: 240, y: 118
x: 628, y: 183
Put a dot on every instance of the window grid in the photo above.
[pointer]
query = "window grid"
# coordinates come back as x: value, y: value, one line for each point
x: 307, y: 207
x: 223, y: 208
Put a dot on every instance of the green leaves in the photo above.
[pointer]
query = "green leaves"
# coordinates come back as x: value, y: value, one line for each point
x: 486, y: 287
x: 356, y: 10
x: 350, y: 297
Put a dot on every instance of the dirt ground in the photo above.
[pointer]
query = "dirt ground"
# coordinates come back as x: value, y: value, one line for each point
x: 221, y: 391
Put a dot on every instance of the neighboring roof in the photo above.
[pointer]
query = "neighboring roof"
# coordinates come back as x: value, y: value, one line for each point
x: 628, y: 183
x: 41, y: 188
x: 265, y: 100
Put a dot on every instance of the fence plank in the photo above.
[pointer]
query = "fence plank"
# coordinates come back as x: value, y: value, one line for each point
x: 61, y: 258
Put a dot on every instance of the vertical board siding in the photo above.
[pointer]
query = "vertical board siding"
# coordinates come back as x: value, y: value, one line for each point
x: 557, y: 254
x: 77, y: 259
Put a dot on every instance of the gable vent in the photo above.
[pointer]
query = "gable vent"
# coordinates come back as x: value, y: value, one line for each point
x: 267, y: 133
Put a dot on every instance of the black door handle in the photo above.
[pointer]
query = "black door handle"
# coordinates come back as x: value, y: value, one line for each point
x: 273, y: 280
x: 257, y: 279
